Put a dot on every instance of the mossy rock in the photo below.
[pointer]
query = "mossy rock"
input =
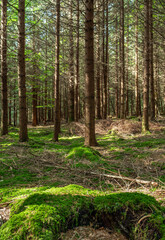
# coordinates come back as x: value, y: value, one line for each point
x: 44, y: 215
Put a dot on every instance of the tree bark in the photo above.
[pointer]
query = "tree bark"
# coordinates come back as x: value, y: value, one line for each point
x: 127, y: 65
x: 4, y: 111
x: 77, y: 99
x: 106, y: 67
x: 10, y: 104
x: 23, y: 135
x: 71, y: 67
x: 14, y: 106
x: 98, y: 105
x: 103, y: 60
x: 90, y: 139
x: 34, y: 84
x: 152, y: 88
x: 136, y: 62
x: 116, y: 71
x: 145, y: 122
x: 46, y: 79
x: 57, y: 75
x: 122, y: 110
x: 156, y: 85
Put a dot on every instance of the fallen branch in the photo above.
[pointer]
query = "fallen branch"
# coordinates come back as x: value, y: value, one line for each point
x: 6, y: 165
x: 128, y: 179
x: 108, y: 170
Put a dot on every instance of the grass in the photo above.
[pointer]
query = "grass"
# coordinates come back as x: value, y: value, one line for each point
x: 35, y: 169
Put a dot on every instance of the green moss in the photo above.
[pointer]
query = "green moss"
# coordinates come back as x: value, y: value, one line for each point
x: 84, y: 152
x: 44, y: 215
x: 162, y: 178
x: 150, y: 143
x: 20, y: 176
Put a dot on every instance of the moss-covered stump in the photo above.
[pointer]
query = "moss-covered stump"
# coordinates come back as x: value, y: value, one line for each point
x: 44, y: 215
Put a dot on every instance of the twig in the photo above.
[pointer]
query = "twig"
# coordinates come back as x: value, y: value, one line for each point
x: 107, y: 170
x: 144, y: 217
x: 5, y: 164
x: 128, y: 179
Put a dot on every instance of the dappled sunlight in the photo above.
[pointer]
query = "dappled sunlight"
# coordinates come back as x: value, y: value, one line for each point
x: 40, y: 168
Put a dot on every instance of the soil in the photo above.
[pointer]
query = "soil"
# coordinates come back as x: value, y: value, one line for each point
x: 89, y: 233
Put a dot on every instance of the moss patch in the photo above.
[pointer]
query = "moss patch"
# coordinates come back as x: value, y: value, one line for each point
x: 84, y: 152
x: 45, y: 214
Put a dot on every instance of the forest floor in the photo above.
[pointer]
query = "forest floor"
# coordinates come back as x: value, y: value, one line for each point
x: 124, y: 160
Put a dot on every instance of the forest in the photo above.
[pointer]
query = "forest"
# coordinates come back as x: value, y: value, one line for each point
x: 82, y: 119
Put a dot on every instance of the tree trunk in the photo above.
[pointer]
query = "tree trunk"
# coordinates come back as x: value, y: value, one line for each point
x: 57, y: 75
x: 156, y: 86
x: 46, y: 79
x: 10, y: 104
x: 106, y: 67
x: 4, y: 111
x: 23, y: 135
x: 127, y: 65
x: 90, y: 139
x: 98, y: 106
x: 122, y: 110
x: 136, y: 63
x: 152, y: 89
x: 116, y: 72
x: 145, y: 122
x: 71, y: 67
x: 77, y: 100
x: 14, y: 106
x: 34, y: 87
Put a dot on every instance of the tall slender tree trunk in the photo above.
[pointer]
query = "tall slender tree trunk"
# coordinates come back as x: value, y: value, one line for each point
x: 10, y: 104
x: 23, y: 135
x: 120, y: 60
x: 156, y: 86
x: 34, y: 87
x: 98, y: 105
x: 46, y: 79
x: 52, y: 99
x: 65, y: 100
x: 57, y: 75
x: 152, y: 86
x: 127, y: 64
x: 103, y: 60
x: 4, y: 112
x: 122, y: 110
x: 90, y: 139
x: 71, y: 66
x: 14, y: 105
x: 77, y: 100
x: 145, y: 122
x: 136, y: 62
x: 116, y: 72
x: 106, y: 67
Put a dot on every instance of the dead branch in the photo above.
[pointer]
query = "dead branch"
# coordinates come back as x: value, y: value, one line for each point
x: 6, y: 165
x: 128, y: 179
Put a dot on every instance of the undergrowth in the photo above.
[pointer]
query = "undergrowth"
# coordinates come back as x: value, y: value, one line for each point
x: 45, y: 214
x: 31, y: 172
